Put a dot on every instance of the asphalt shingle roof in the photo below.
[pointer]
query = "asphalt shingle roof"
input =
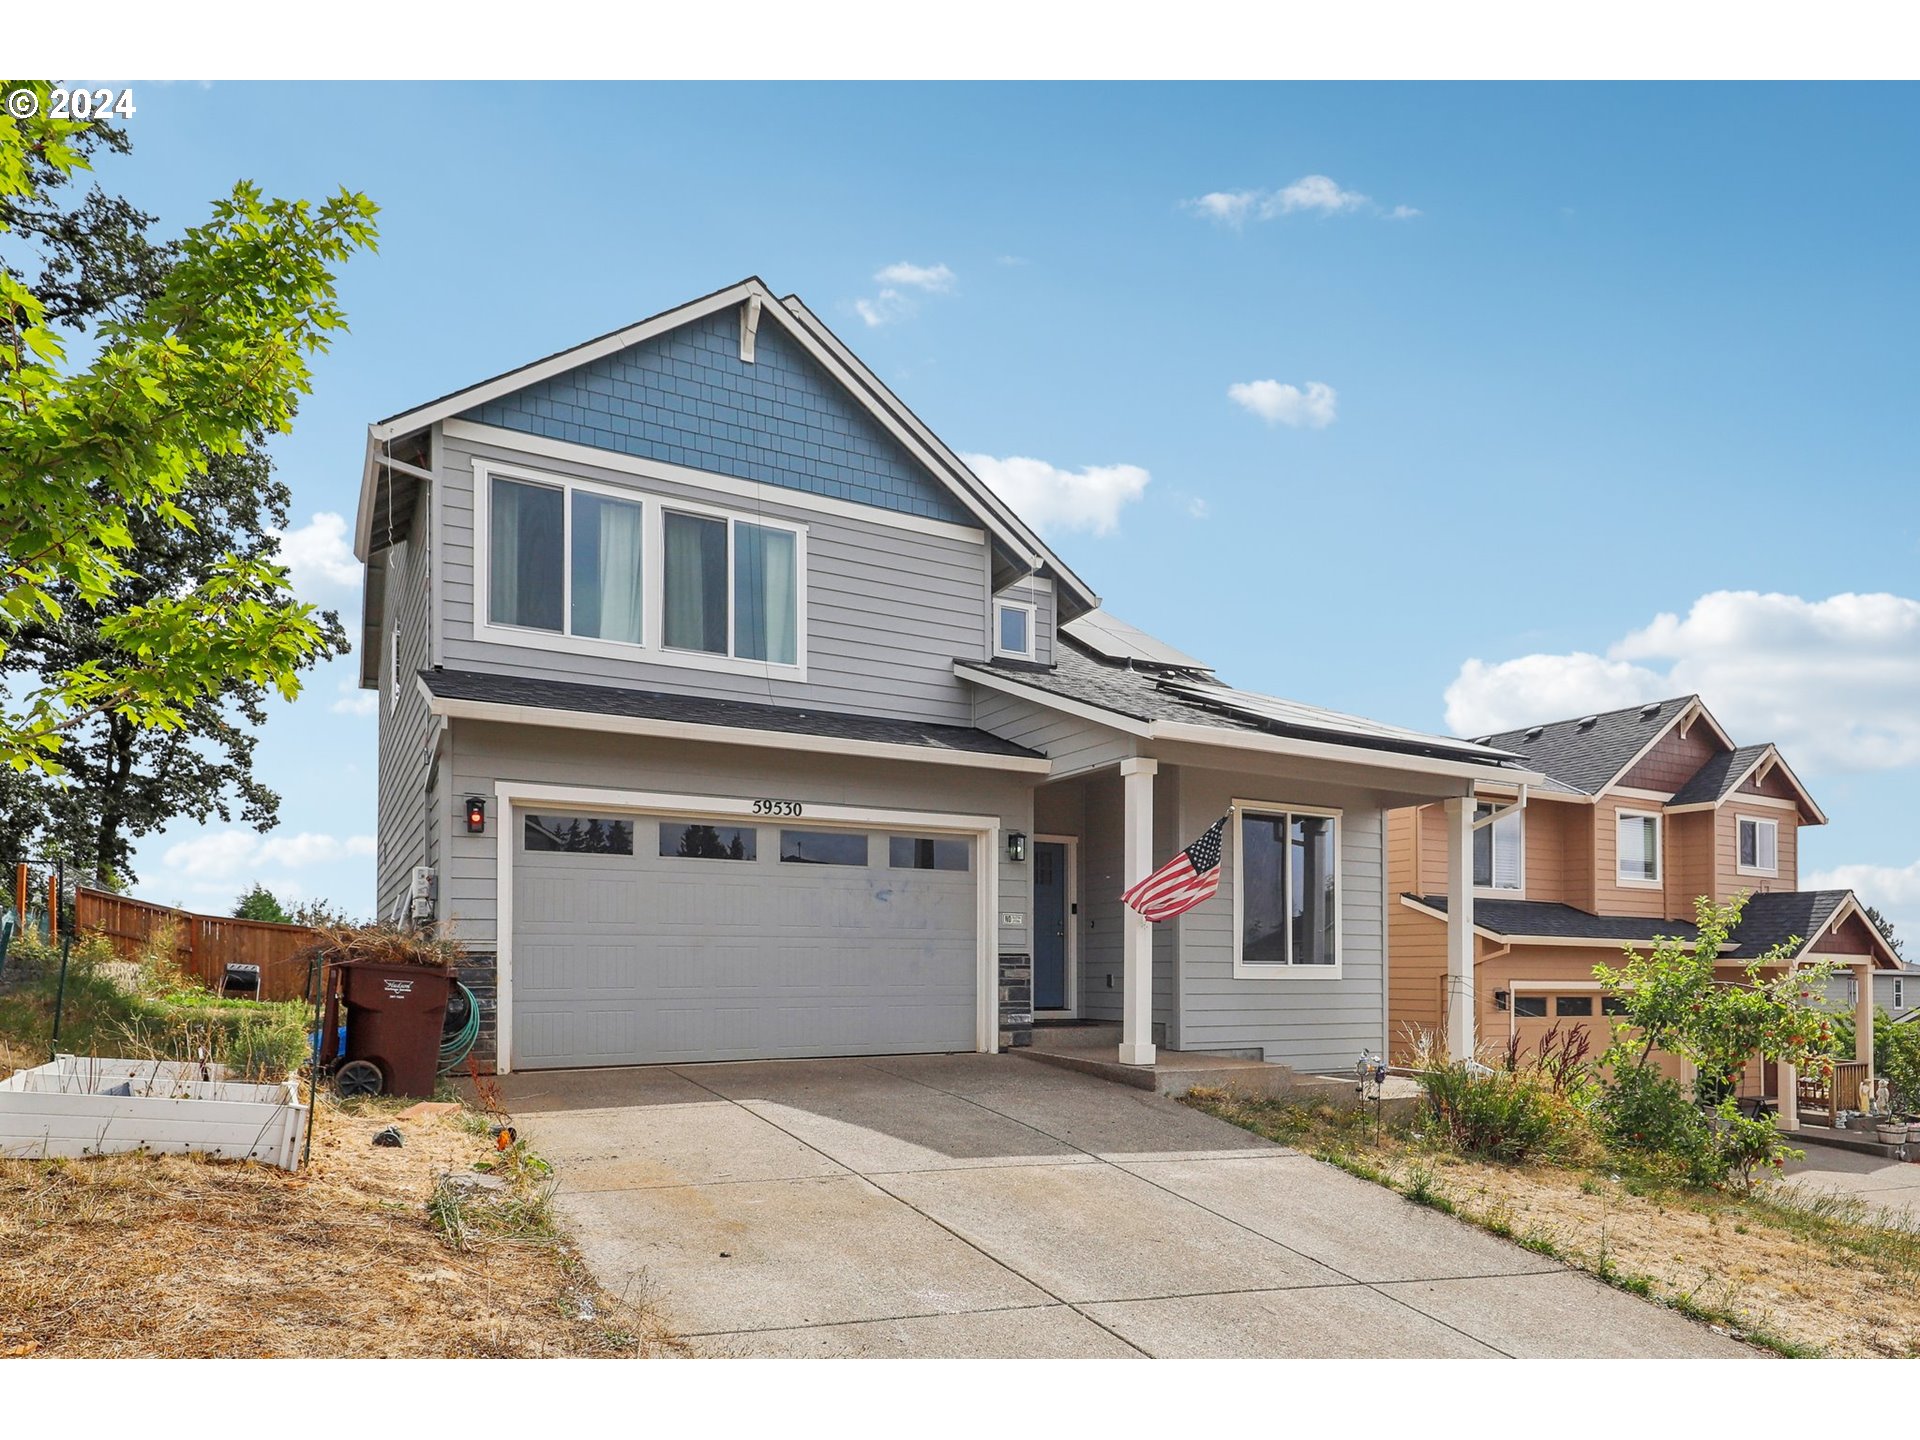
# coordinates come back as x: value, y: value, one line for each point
x: 703, y: 710
x: 1585, y: 757
x: 1143, y: 694
x: 1770, y: 918
x: 1718, y: 776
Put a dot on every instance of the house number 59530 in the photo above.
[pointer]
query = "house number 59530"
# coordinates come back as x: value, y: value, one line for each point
x: 776, y: 807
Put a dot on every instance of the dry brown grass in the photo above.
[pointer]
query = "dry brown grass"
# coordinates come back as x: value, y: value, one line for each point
x: 1799, y: 1281
x: 180, y: 1257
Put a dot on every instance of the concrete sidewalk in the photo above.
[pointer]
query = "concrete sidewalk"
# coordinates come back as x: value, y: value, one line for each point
x: 975, y: 1205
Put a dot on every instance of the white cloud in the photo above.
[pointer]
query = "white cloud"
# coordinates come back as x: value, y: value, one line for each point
x: 1834, y: 682
x: 1318, y: 192
x: 1052, y: 499
x: 1314, y: 194
x: 1279, y: 404
x: 937, y: 279
x: 893, y: 302
x: 353, y: 700
x: 221, y: 856
x: 1198, y: 508
x: 318, y: 557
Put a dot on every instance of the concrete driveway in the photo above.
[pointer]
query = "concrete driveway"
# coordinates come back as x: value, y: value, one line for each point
x: 1892, y: 1186
x: 976, y: 1205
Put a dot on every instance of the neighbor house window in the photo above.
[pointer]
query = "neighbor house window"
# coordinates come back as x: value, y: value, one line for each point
x: 822, y: 847
x: 914, y: 852
x: 702, y: 840
x: 732, y: 587
x: 579, y: 834
x: 1530, y: 1007
x: 1286, y: 889
x: 1899, y: 994
x: 1013, y: 629
x: 1759, y: 846
x: 1639, y: 849
x: 564, y: 559
x: 1612, y: 1005
x: 1499, y: 850
x: 1573, y: 1005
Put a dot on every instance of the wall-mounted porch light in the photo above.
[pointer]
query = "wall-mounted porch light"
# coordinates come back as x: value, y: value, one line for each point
x: 1016, y: 846
x: 476, y: 815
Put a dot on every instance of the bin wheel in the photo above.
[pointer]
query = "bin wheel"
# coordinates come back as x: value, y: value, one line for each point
x: 358, y: 1077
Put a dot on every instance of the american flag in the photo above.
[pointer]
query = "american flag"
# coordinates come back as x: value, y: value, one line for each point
x: 1183, y: 882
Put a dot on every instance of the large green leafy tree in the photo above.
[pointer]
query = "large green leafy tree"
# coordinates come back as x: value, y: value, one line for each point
x: 143, y: 618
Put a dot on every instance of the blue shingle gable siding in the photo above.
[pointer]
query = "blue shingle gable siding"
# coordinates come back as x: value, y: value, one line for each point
x: 687, y: 398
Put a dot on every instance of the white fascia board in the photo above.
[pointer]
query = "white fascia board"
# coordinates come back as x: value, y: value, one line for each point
x: 508, y: 714
x: 363, y: 517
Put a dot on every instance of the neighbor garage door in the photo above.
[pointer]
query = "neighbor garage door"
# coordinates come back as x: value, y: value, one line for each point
x: 643, y: 939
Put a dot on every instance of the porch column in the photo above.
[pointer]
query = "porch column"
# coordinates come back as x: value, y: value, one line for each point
x: 1136, y: 935
x: 1462, y: 1003
x: 1786, y: 1114
x: 1863, y: 1020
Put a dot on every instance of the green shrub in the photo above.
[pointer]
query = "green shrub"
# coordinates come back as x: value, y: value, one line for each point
x: 1743, y: 1144
x: 1645, y: 1113
x: 1492, y: 1113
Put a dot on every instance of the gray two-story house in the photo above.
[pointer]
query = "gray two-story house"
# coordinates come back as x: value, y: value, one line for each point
x: 725, y: 714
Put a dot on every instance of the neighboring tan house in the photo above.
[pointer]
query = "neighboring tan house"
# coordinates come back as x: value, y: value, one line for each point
x: 1642, y: 810
x: 725, y: 714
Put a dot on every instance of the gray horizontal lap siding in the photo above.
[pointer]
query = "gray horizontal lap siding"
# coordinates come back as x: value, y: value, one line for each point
x: 402, y: 814
x: 888, y: 609
x: 484, y: 753
x: 1311, y: 1024
x: 687, y: 398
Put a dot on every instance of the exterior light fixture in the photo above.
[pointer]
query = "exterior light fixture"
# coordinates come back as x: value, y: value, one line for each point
x: 1016, y: 845
x: 476, y: 815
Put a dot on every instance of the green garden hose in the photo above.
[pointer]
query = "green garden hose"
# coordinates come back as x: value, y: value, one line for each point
x: 455, y: 1047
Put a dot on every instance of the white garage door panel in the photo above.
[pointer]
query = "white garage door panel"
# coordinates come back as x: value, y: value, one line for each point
x: 645, y: 959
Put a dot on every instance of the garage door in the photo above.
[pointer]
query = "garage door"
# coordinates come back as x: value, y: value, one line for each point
x: 643, y: 939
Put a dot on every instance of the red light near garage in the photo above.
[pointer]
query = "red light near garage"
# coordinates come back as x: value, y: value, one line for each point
x: 476, y: 815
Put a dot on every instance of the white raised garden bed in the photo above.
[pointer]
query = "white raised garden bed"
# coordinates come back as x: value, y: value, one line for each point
x: 84, y: 1105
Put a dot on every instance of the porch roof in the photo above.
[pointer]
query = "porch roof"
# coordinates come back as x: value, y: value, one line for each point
x: 1155, y: 695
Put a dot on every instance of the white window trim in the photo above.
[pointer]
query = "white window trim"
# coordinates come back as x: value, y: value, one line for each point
x: 1266, y: 970
x: 1756, y: 821
x: 1031, y: 612
x: 1518, y: 815
x: 393, y: 667
x: 1659, y: 851
x: 653, y: 595
x: 1899, y: 993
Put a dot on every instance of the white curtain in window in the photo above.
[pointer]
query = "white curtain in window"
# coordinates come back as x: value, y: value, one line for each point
x: 1636, y: 848
x: 620, y: 571
x: 765, y: 594
x: 1509, y: 841
x: 696, y: 584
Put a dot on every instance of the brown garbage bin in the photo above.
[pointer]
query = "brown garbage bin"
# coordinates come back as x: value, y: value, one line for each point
x: 394, y: 1016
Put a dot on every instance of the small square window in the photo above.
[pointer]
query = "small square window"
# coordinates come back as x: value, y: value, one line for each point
x: 1759, y: 845
x: 1013, y: 629
x: 1639, y: 848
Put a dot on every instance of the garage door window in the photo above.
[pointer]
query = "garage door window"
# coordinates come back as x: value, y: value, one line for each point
x: 1530, y: 1006
x: 822, y: 847
x: 579, y: 834
x: 1573, y: 1005
x: 915, y: 852
x: 698, y: 840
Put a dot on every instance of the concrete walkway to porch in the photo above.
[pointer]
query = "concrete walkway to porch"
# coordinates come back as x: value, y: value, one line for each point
x: 983, y: 1205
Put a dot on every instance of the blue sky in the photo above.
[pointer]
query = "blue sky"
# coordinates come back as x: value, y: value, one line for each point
x: 1641, y: 352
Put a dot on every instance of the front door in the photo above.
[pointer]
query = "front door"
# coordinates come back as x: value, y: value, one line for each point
x: 1049, y: 926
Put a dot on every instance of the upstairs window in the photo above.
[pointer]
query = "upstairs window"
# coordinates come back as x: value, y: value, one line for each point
x: 535, y: 530
x: 1759, y: 846
x: 1013, y: 629
x: 1499, y: 850
x: 732, y: 588
x: 1638, y: 854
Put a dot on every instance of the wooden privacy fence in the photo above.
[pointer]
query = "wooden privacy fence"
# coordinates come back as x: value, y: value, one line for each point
x: 204, y: 945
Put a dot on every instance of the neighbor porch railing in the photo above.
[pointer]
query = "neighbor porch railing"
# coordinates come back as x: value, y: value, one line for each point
x: 1825, y: 1094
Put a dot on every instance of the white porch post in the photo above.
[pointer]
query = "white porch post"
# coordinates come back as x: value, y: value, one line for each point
x: 1863, y: 1019
x: 1136, y: 980
x: 1462, y: 1003
x: 1786, y: 1113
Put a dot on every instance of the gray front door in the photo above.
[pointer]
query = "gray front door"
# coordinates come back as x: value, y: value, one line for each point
x: 1049, y: 925
x: 625, y: 956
